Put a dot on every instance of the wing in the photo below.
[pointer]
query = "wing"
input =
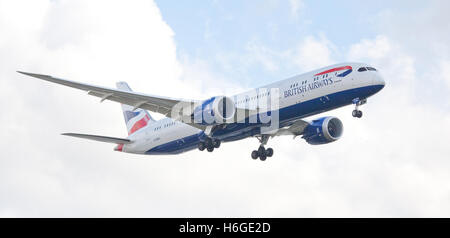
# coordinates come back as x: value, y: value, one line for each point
x: 158, y: 104
x: 100, y: 138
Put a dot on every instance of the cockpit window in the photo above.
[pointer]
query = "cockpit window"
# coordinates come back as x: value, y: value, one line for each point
x: 371, y: 69
x: 362, y: 69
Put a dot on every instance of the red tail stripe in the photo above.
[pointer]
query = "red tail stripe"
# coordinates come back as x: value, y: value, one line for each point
x: 139, y: 124
x: 334, y: 70
x: 119, y: 147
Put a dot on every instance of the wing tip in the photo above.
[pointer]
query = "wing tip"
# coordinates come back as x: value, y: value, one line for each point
x: 21, y: 72
x: 33, y: 75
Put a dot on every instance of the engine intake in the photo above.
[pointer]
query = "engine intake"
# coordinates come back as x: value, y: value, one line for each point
x: 216, y: 110
x: 323, y: 131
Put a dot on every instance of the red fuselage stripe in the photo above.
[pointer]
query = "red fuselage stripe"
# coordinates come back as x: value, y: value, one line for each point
x: 139, y: 124
x: 334, y: 70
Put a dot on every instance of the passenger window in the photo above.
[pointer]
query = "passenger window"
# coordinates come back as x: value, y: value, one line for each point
x: 362, y: 69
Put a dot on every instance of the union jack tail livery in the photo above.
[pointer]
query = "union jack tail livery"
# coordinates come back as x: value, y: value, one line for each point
x: 135, y: 119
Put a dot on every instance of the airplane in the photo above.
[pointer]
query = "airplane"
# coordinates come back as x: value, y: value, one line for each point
x: 205, y: 124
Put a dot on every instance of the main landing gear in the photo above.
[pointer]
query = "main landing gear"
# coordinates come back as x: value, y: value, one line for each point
x: 357, y: 113
x: 262, y: 153
x: 209, y: 144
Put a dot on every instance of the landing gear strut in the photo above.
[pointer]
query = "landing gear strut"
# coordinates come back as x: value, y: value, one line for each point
x: 262, y: 153
x: 357, y: 113
x: 209, y: 144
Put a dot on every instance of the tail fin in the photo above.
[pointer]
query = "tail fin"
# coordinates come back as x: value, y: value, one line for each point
x: 134, y: 119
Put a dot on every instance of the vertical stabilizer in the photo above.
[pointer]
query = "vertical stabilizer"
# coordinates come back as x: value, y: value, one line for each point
x: 134, y: 119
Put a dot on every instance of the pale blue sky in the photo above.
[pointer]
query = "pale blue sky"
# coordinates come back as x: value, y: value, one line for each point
x: 233, y: 23
x: 208, y: 30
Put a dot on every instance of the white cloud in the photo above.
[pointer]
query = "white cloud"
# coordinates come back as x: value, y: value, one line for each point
x: 43, y: 173
x: 310, y: 53
x: 421, y: 32
x: 262, y: 55
x: 374, y: 49
x: 296, y: 7
x: 406, y: 156
x: 199, y: 77
x: 397, y: 67
x: 445, y: 71
x: 421, y: 28
x: 313, y: 53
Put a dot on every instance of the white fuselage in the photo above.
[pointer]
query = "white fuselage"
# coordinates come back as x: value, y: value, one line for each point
x: 309, y: 89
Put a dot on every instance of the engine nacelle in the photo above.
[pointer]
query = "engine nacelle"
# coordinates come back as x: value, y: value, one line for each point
x: 214, y: 111
x: 323, y: 130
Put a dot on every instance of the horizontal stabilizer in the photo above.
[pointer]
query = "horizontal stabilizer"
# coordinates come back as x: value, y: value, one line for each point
x: 100, y: 138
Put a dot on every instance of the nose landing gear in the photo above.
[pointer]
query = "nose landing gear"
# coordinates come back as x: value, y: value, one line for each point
x: 357, y: 113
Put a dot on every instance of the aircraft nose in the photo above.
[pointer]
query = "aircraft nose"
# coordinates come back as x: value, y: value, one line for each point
x: 378, y: 83
x: 378, y: 80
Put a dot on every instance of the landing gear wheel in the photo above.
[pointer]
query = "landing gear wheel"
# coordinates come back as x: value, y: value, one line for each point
x: 263, y: 157
x: 357, y: 113
x: 269, y: 152
x: 255, y: 154
x: 201, y: 146
x: 216, y: 143
x: 262, y: 153
x: 208, y: 143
